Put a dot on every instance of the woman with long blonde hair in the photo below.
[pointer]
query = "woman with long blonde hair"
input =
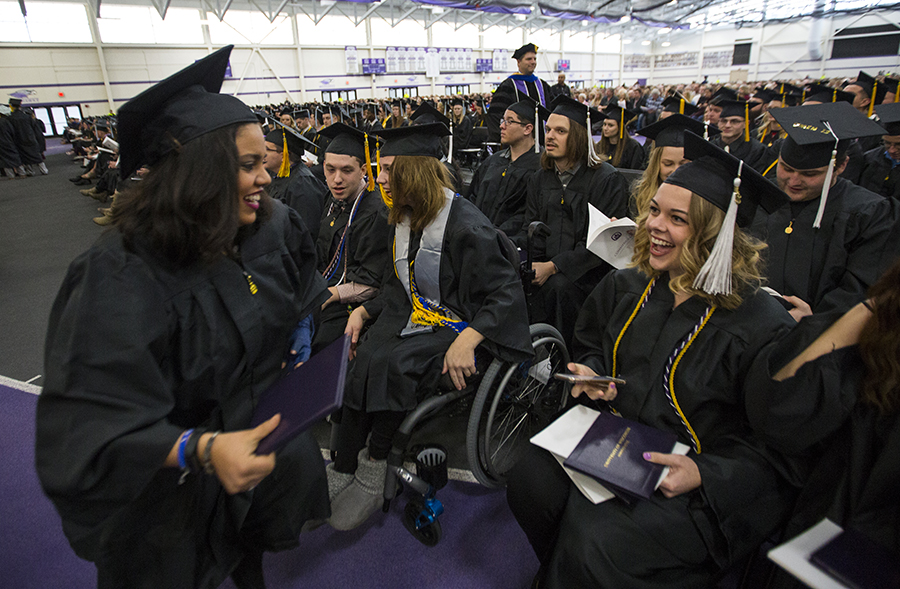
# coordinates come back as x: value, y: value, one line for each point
x: 619, y: 148
x: 681, y: 329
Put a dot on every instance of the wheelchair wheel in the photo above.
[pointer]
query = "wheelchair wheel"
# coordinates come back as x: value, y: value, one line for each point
x: 514, y: 402
x: 428, y: 535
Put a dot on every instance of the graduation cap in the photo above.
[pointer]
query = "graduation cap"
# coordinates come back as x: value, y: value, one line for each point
x: 531, y: 110
x: 286, y: 111
x: 822, y: 93
x: 183, y: 107
x: 735, y: 188
x: 457, y: 102
x: 679, y: 105
x: 521, y: 51
x: 302, y: 113
x: 580, y: 114
x: 874, y: 89
x: 766, y: 96
x: 426, y: 114
x: 346, y: 140
x: 15, y: 102
x: 621, y: 115
x: 817, y: 133
x: 291, y: 142
x: 889, y: 116
x: 893, y: 86
x: 669, y: 132
x: 723, y: 93
x: 737, y: 108
x: 415, y: 140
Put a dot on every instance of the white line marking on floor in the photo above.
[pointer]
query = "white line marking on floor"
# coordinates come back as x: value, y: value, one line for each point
x: 32, y: 379
x: 20, y: 386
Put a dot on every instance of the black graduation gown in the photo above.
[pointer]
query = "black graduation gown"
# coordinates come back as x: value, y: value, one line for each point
x: 9, y: 154
x: 746, y: 488
x: 499, y: 186
x: 136, y: 353
x: 854, y: 451
x: 879, y: 175
x: 632, y: 155
x: 39, y: 128
x: 832, y: 267
x: 855, y: 163
x: 368, y: 258
x: 26, y: 142
x: 507, y: 94
x: 750, y: 152
x: 478, y: 283
x: 565, y: 211
x: 462, y: 132
x: 304, y: 193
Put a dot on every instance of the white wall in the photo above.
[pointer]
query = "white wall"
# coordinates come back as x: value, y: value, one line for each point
x: 100, y: 76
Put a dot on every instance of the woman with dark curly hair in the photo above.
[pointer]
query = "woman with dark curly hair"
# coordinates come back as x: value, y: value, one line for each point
x: 681, y: 328
x: 161, y: 340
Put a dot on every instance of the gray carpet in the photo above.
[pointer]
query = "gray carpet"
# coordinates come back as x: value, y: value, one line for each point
x: 44, y: 224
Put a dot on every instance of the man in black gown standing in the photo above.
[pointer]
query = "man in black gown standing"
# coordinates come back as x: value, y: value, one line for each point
x: 517, y: 86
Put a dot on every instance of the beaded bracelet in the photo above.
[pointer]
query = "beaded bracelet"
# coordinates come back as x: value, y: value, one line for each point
x: 207, y: 454
x: 182, y: 443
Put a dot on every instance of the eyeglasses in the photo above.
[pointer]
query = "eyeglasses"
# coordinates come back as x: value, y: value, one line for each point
x: 504, y: 122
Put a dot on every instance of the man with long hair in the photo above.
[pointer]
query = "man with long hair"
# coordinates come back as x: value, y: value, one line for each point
x: 572, y: 176
x: 453, y: 289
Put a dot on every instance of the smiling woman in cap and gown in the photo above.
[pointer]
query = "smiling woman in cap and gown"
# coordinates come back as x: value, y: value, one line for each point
x: 834, y: 239
x: 161, y: 340
x: 453, y: 287
x: 681, y: 328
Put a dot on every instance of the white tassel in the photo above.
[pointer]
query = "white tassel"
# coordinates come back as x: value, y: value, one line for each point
x: 828, y: 176
x: 706, y: 130
x: 537, y: 130
x: 715, y: 275
x: 450, y: 155
x: 593, y: 158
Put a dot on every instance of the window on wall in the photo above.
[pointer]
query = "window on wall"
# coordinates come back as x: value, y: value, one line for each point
x: 331, y: 30
x: 142, y: 24
x: 243, y: 27
x: 47, y: 22
x: 338, y: 95
x: 741, y: 54
x: 406, y: 92
x: 871, y: 45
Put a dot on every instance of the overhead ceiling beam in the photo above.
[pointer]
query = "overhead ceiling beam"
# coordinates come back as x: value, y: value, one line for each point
x: 467, y: 21
x: 375, y: 6
x: 319, y: 18
x: 162, y: 6
x: 404, y: 16
x: 271, y: 14
x: 219, y: 8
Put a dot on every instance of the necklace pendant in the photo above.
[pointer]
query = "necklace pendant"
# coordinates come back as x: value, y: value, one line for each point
x: 790, y: 228
x: 332, y: 222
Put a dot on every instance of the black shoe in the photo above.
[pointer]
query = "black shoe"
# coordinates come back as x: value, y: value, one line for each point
x: 82, y: 182
x: 75, y: 179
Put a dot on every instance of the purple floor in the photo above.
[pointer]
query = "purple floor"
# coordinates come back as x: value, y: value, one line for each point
x: 482, y: 546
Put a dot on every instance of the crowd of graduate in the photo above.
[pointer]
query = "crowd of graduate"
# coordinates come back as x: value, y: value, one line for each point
x: 22, y: 142
x: 245, y: 239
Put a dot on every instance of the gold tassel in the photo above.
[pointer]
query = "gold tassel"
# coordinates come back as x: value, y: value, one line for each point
x: 285, y: 170
x: 747, y: 122
x: 371, y: 185
x: 621, y: 126
x: 681, y: 106
x: 834, y: 96
x: 872, y: 100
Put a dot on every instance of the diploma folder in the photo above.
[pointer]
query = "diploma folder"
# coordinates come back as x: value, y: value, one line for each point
x: 304, y: 396
x: 612, y: 452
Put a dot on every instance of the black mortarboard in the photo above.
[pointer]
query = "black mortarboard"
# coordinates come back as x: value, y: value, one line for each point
x: 669, y: 132
x: 809, y: 143
x: 415, y: 140
x: 102, y: 125
x: 620, y: 115
x: 345, y: 140
x: 525, y: 108
x: 785, y: 88
x: 286, y: 111
x: 723, y: 93
x: 889, y: 116
x: 296, y: 143
x: 302, y: 113
x: 893, y: 85
x: 718, y: 177
x: 679, y: 105
x: 426, y: 114
x: 766, y: 96
x: 734, y: 108
x: 457, y: 102
x: 184, y: 106
x: 822, y: 93
x: 875, y: 90
x: 15, y: 102
x: 574, y: 110
x: 527, y: 48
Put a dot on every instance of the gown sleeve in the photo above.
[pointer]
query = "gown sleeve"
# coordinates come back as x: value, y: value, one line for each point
x: 370, y: 241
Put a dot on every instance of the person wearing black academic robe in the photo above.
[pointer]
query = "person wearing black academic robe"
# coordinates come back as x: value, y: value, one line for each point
x: 304, y: 193
x: 565, y: 211
x: 137, y: 352
x: 632, y: 154
x: 462, y: 132
x: 512, y: 90
x: 853, y: 448
x: 750, y: 152
x: 499, y: 186
x: 831, y: 267
x: 9, y: 154
x: 880, y: 174
x: 746, y: 488
x: 477, y: 282
x: 26, y: 142
x: 364, y: 259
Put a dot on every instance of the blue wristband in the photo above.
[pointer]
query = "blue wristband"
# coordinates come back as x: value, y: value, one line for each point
x: 182, y: 442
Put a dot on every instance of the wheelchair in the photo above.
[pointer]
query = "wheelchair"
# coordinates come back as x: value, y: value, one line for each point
x: 511, y: 403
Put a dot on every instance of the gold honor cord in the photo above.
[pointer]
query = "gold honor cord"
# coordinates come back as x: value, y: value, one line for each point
x: 628, y: 323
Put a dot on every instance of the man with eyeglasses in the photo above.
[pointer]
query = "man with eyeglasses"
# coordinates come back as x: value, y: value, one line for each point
x: 498, y: 185
x: 294, y: 184
x: 881, y: 170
